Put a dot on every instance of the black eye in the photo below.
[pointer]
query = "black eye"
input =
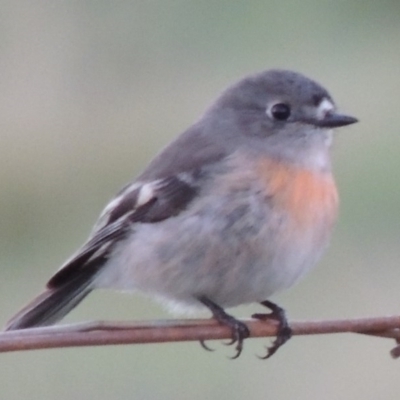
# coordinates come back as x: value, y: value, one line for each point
x: 280, y: 111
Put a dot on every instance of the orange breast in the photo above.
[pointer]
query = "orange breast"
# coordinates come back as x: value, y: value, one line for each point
x: 309, y: 197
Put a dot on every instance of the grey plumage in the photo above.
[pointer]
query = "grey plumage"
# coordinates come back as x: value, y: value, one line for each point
x: 198, y: 222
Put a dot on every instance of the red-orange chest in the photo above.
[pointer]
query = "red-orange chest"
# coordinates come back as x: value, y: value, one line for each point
x: 309, y: 198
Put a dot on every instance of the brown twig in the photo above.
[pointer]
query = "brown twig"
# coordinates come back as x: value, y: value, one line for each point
x: 161, y: 331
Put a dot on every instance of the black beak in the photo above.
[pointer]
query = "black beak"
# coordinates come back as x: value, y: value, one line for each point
x: 333, y: 120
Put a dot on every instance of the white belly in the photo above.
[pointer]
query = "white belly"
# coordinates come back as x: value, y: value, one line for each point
x: 244, y: 255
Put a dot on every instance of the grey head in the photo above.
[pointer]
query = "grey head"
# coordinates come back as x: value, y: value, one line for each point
x: 285, y: 97
x: 279, y: 112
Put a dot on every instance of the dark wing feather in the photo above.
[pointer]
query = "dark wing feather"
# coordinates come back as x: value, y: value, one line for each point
x: 174, y: 177
x: 169, y: 196
x: 166, y: 188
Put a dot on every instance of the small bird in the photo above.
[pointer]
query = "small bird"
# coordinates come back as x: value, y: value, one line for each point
x: 236, y: 208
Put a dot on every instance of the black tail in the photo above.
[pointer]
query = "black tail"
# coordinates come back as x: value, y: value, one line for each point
x: 54, y: 303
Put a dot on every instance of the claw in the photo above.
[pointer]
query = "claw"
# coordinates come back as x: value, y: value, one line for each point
x: 230, y: 343
x: 204, y: 346
x: 239, y: 330
x: 284, y: 331
x: 239, y: 333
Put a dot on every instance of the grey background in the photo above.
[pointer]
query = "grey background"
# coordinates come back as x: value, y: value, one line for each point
x: 90, y: 90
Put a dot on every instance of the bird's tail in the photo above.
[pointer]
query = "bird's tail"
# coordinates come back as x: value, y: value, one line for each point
x: 53, y: 304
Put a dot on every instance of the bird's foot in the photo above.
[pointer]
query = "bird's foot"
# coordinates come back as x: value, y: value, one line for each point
x: 239, y: 329
x: 284, y: 331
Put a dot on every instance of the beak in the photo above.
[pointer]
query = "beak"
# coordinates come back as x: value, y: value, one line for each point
x: 334, y: 120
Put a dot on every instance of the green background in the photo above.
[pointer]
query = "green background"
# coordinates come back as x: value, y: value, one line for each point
x: 91, y: 90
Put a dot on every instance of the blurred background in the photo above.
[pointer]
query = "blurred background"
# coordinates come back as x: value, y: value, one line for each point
x: 91, y: 90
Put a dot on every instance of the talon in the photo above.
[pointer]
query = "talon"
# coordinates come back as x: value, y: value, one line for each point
x: 284, y: 332
x: 230, y: 343
x: 204, y: 346
x: 239, y: 330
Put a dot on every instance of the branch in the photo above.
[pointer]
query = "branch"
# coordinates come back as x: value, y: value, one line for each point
x: 161, y: 331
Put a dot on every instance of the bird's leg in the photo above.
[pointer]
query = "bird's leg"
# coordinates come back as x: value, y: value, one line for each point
x: 284, y: 331
x: 239, y: 330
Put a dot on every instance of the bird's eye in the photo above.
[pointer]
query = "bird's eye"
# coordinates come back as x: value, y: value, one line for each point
x: 280, y: 112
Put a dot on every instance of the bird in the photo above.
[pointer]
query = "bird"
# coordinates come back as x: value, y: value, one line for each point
x: 237, y: 208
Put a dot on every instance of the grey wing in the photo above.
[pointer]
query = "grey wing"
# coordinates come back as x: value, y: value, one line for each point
x: 166, y: 195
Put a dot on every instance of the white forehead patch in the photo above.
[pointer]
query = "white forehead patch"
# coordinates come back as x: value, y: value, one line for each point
x: 324, y: 107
